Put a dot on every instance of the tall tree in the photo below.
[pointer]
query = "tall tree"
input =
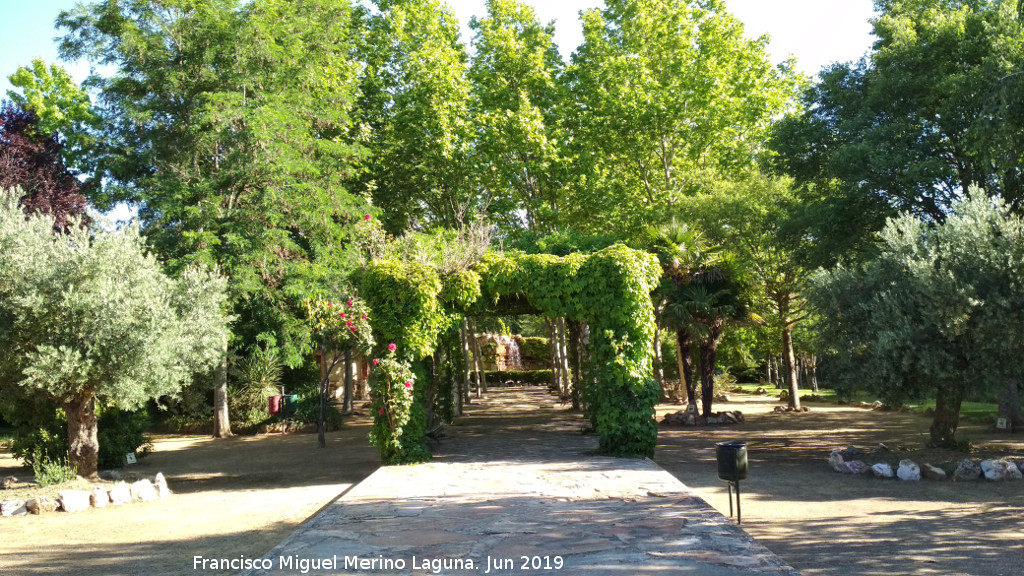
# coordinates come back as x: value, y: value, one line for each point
x: 32, y: 159
x: 517, y: 102
x: 416, y: 103
x: 663, y: 91
x: 90, y: 315
x: 752, y: 218
x: 229, y: 125
x: 932, y: 110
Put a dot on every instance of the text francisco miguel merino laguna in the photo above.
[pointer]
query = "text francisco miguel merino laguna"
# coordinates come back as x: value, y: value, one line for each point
x: 433, y: 565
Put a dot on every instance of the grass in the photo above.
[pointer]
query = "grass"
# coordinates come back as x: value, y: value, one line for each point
x: 978, y: 411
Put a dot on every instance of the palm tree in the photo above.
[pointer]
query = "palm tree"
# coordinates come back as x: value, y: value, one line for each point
x: 686, y: 259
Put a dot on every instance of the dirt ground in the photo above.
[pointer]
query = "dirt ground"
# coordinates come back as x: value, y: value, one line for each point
x: 235, y: 497
x: 241, y: 496
x: 826, y: 523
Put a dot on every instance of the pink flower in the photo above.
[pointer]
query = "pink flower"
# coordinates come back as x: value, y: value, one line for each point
x: 408, y: 384
x: 363, y: 317
x: 349, y: 302
x: 391, y: 347
x: 352, y: 328
x: 366, y: 217
x: 382, y: 411
x: 328, y: 304
x: 376, y: 362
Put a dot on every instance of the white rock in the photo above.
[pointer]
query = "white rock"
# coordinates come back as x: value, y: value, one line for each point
x: 13, y: 507
x: 74, y: 500
x: 882, y: 470
x: 993, y: 470
x: 120, y: 494
x: 908, y: 471
x: 161, y: 485
x: 99, y: 497
x: 144, y: 490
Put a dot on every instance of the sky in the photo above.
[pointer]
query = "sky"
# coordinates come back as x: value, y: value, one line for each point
x: 816, y: 32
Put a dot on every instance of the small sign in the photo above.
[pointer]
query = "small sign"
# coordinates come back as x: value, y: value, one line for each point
x: 1002, y: 424
x: 129, y: 458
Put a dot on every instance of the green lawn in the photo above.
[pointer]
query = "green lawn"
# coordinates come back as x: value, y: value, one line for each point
x: 972, y: 410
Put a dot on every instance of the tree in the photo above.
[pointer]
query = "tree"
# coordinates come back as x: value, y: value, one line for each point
x: 90, y: 315
x: 752, y: 218
x: 936, y: 312
x: 416, y: 103
x: 63, y: 109
x: 516, y: 104
x: 661, y: 93
x: 230, y: 126
x: 932, y: 110
x: 32, y: 159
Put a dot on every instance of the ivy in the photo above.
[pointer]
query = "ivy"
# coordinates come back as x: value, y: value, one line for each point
x: 610, y: 289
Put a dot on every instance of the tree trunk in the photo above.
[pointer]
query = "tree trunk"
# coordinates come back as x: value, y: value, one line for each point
x: 659, y: 360
x: 481, y: 377
x: 686, y: 366
x: 948, y: 399
x: 814, y: 373
x: 221, y: 417
x: 576, y: 361
x: 463, y: 384
x: 346, y: 401
x: 84, y: 445
x: 789, y: 366
x: 325, y: 386
x: 708, y: 354
x: 768, y: 370
x: 563, y: 363
x: 1009, y: 406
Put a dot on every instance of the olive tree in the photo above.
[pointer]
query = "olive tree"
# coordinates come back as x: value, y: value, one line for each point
x: 89, y: 315
x: 939, y: 312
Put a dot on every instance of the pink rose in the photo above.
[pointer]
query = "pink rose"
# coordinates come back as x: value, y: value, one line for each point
x: 342, y: 314
x: 382, y: 411
x: 376, y: 362
x: 408, y: 384
x: 363, y: 317
x: 328, y: 304
x: 366, y: 217
x: 392, y: 347
x: 349, y: 302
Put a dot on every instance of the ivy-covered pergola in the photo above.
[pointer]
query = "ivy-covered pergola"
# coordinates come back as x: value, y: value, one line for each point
x: 609, y: 290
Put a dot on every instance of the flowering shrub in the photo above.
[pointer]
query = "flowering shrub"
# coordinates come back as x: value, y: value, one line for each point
x: 392, y: 395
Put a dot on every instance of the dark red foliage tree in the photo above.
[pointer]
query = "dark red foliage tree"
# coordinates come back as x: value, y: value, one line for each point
x: 32, y: 160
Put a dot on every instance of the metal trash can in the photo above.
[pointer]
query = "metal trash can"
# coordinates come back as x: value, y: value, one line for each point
x: 291, y: 404
x: 732, y: 460
x: 275, y: 405
x: 732, y: 467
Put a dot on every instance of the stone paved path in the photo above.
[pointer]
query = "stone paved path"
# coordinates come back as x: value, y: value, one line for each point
x: 514, y: 489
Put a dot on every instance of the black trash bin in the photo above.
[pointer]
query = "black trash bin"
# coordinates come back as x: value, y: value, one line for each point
x: 732, y: 460
x: 732, y: 467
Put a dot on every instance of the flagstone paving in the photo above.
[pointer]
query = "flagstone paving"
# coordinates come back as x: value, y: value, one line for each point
x: 515, y: 489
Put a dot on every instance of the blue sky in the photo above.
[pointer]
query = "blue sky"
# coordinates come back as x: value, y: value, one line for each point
x: 817, y: 32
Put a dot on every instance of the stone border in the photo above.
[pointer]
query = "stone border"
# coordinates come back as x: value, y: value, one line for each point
x: 847, y: 461
x: 99, y: 497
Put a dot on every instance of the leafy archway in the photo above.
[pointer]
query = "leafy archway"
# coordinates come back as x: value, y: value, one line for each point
x: 609, y: 290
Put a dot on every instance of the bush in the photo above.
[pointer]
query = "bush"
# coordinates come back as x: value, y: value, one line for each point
x: 538, y: 349
x: 122, y: 432
x: 532, y: 377
x: 119, y: 432
x: 49, y: 472
x: 308, y: 411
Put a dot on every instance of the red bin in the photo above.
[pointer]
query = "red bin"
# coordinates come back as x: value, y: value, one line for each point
x: 275, y: 405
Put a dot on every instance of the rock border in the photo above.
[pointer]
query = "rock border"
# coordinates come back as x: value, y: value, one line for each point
x: 144, y: 490
x: 851, y: 461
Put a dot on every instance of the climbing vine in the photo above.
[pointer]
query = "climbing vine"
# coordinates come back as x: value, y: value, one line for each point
x: 609, y: 289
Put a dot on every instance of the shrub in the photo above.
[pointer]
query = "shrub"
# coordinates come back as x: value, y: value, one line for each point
x: 49, y: 472
x: 122, y: 432
x: 533, y: 377
x: 538, y: 349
